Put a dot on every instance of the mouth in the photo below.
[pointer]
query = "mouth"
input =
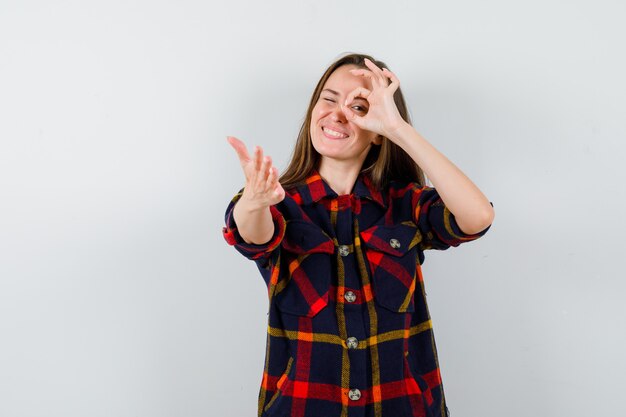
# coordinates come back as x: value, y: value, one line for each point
x: 333, y: 134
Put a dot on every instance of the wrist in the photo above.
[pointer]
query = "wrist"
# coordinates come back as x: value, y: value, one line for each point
x: 397, y: 133
x: 250, y: 206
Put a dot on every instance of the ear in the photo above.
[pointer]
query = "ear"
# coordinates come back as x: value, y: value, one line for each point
x: 378, y: 140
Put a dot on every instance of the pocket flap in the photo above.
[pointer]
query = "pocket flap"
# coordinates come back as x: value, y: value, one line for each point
x: 394, y: 240
x: 307, y: 268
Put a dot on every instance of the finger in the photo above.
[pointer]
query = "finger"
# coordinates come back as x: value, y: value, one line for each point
x: 361, y: 71
x: 258, y: 158
x: 262, y: 175
x: 272, y: 178
x: 350, y: 115
x: 279, y: 192
x: 240, y: 148
x: 379, y: 73
x: 267, y: 168
x: 357, y: 92
x: 369, y: 74
x: 395, y: 82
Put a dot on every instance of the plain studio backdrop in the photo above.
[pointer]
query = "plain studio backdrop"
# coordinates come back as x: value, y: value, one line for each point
x: 119, y: 296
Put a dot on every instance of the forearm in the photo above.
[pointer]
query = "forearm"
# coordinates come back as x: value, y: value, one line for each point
x: 254, y: 225
x: 470, y: 206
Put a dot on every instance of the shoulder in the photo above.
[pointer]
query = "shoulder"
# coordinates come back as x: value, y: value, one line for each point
x: 398, y: 189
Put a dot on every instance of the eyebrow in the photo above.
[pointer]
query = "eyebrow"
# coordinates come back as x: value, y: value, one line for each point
x: 336, y: 94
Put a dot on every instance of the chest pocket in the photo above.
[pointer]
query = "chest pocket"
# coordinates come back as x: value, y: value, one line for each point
x: 305, y: 269
x: 392, y: 255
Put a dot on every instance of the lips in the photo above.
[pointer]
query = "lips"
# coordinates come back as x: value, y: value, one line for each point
x: 332, y: 133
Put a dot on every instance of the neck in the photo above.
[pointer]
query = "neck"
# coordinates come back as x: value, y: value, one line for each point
x: 340, y: 177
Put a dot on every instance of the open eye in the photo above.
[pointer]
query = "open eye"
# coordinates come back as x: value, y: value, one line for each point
x: 360, y: 109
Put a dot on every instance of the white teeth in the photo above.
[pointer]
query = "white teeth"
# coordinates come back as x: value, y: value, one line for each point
x: 334, y: 133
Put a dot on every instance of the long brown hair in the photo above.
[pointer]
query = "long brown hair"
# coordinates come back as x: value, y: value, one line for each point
x: 384, y: 163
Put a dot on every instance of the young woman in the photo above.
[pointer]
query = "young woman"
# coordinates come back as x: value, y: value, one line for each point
x: 339, y: 240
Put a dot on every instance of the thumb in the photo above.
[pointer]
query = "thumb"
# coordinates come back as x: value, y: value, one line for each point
x: 352, y: 116
x: 240, y: 148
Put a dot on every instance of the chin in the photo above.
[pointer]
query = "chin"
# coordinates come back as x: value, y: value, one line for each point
x: 325, y: 150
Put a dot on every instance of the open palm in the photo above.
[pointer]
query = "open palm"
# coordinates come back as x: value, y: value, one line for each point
x: 262, y: 188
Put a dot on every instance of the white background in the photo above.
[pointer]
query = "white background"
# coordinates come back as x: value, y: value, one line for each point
x: 118, y: 293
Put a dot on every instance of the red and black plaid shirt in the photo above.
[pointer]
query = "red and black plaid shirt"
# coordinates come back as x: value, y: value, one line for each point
x: 349, y: 332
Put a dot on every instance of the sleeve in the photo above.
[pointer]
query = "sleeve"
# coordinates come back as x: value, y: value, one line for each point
x: 436, y: 223
x: 259, y: 253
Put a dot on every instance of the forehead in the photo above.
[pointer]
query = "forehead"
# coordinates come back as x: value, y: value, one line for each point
x: 343, y: 81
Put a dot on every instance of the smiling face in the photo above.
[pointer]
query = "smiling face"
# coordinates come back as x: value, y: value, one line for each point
x: 332, y: 135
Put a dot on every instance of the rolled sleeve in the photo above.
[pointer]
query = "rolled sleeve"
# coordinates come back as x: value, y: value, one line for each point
x: 259, y: 253
x: 436, y: 222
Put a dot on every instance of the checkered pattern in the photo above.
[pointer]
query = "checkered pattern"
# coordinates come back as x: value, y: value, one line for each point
x: 310, y: 370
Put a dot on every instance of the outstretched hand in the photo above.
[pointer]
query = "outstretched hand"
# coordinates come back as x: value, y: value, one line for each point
x: 262, y: 188
x: 382, y: 116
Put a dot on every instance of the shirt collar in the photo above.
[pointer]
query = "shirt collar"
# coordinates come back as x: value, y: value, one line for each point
x: 315, y: 188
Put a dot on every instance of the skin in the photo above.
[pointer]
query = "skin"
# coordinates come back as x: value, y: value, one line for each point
x: 356, y: 89
x: 342, y: 158
x: 262, y: 189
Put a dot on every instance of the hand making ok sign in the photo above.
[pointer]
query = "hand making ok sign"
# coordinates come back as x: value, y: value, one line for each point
x: 383, y: 116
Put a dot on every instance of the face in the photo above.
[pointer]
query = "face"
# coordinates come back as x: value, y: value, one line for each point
x: 333, y: 136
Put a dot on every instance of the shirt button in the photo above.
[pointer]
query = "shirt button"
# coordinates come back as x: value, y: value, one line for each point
x: 352, y: 342
x: 395, y: 243
x: 350, y: 296
x: 344, y: 250
x: 354, y: 394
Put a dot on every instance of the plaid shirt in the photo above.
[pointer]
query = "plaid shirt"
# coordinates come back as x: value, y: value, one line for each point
x: 349, y: 332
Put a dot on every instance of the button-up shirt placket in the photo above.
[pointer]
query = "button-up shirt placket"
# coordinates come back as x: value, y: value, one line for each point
x: 357, y: 322
x: 350, y: 318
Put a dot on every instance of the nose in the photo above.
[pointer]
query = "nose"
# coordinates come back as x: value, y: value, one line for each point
x: 338, y: 115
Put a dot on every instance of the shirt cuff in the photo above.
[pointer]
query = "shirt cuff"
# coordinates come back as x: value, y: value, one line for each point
x: 251, y: 250
x: 453, y: 234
